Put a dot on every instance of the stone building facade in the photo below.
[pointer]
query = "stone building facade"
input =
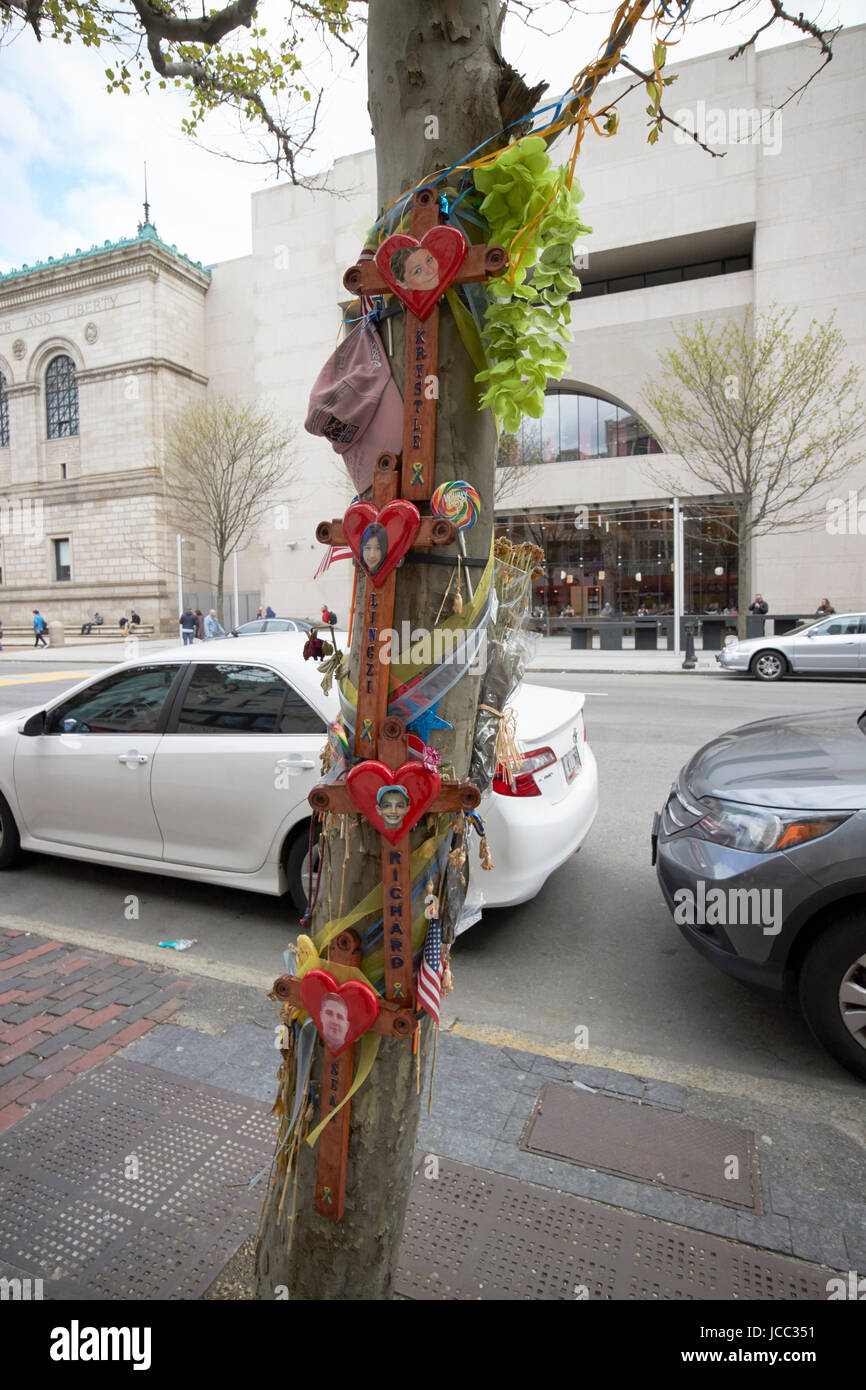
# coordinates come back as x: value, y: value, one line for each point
x: 83, y: 520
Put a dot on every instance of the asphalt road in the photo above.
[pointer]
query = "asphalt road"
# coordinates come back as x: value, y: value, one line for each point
x: 597, y: 948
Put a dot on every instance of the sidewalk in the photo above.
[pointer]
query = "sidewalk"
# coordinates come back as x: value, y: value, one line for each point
x: 134, y: 1110
x: 553, y: 654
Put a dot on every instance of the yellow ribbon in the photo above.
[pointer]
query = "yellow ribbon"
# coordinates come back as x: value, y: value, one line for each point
x: 367, y: 1056
x: 373, y: 903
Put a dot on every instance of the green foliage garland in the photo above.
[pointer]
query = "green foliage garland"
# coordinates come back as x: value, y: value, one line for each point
x: 528, y: 322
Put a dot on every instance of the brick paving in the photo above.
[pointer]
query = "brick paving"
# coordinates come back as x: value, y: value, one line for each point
x: 63, y: 1010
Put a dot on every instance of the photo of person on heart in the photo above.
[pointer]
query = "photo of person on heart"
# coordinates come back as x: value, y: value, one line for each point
x: 393, y: 803
x: 374, y: 546
x: 414, y: 268
x: 334, y: 1015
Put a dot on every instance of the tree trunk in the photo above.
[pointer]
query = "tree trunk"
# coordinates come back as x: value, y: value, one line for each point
x: 220, y: 584
x: 744, y: 573
x: 424, y: 60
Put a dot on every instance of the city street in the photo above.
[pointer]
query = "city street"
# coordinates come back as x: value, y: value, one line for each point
x: 597, y: 948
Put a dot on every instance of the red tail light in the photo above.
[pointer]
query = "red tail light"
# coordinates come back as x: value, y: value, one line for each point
x: 524, y: 781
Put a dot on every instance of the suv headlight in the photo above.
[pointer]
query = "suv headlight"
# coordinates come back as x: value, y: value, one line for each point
x: 762, y: 831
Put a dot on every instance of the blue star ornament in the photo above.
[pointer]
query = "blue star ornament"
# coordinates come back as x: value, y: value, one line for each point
x: 424, y: 724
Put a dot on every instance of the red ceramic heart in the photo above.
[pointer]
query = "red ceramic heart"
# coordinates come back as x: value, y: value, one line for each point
x: 341, y: 1013
x: 430, y: 264
x: 420, y: 789
x: 396, y: 528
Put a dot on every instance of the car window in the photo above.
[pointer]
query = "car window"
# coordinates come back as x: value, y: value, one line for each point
x: 257, y: 625
x: 280, y: 625
x: 838, y: 627
x: 231, y: 698
x: 129, y: 702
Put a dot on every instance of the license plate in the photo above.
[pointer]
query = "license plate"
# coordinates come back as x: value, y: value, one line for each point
x: 571, y: 764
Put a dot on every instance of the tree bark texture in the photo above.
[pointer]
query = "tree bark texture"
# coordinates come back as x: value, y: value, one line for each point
x: 426, y: 58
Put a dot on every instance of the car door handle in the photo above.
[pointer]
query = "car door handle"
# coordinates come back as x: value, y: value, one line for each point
x: 295, y: 764
x: 132, y: 758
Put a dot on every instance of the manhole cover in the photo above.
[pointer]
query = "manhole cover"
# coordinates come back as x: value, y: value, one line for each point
x: 131, y: 1184
x: 473, y: 1234
x: 662, y: 1148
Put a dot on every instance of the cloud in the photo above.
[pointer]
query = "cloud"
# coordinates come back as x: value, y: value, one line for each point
x: 71, y: 158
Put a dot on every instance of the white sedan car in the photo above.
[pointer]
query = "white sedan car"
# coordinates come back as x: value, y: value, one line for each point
x: 197, y: 761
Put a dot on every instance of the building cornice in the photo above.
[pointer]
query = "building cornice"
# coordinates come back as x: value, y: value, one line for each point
x: 136, y: 368
x: 119, y: 266
x: 146, y: 242
x: 143, y: 482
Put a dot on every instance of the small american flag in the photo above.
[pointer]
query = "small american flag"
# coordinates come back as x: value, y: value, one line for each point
x: 429, y: 982
x: 333, y: 552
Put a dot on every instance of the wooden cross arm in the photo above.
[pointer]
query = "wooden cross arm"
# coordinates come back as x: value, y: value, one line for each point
x: 481, y: 263
x: 392, y: 1020
x: 434, y: 530
x: 453, y: 796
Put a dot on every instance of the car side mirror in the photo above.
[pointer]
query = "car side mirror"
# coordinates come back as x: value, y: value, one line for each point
x: 34, y: 726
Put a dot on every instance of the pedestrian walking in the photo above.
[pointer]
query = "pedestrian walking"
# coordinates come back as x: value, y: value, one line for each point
x: 212, y: 626
x: 40, y: 627
x: 269, y: 612
x: 187, y: 627
x: 824, y: 607
x: 199, y: 624
x: 758, y: 605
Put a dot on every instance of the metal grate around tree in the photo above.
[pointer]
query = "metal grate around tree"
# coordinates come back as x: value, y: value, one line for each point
x: 61, y: 398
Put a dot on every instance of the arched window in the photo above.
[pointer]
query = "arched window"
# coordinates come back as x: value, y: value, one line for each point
x: 61, y: 398
x: 4, y: 414
x: 578, y: 426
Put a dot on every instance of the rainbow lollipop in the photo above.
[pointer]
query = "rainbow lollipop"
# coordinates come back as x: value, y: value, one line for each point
x: 459, y: 503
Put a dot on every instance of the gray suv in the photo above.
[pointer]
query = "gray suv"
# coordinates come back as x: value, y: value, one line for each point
x: 761, y: 855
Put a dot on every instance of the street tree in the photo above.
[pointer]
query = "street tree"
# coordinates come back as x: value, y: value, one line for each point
x: 765, y: 418
x: 227, y: 464
x: 439, y: 87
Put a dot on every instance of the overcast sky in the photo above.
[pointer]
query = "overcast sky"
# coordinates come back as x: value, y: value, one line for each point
x: 71, y: 156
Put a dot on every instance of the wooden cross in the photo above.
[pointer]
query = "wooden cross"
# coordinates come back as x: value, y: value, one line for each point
x: 396, y: 874
x: 422, y: 345
x: 379, y: 607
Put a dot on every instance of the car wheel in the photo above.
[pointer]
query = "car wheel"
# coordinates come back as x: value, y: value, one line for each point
x: 833, y: 991
x: 10, y: 843
x: 301, y: 870
x: 768, y: 666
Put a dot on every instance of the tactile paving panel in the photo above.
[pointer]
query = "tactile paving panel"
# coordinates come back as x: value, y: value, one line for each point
x: 662, y: 1148
x: 132, y: 1184
x: 473, y: 1234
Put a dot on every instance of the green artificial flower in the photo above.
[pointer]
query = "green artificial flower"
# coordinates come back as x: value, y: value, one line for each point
x: 528, y: 322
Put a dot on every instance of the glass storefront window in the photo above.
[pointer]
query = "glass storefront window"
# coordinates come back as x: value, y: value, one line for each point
x: 577, y: 426
x: 587, y: 433
x: 621, y: 564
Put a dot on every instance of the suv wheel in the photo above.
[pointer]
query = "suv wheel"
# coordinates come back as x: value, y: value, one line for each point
x: 833, y: 990
x: 10, y: 844
x: 768, y: 666
x: 301, y: 870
